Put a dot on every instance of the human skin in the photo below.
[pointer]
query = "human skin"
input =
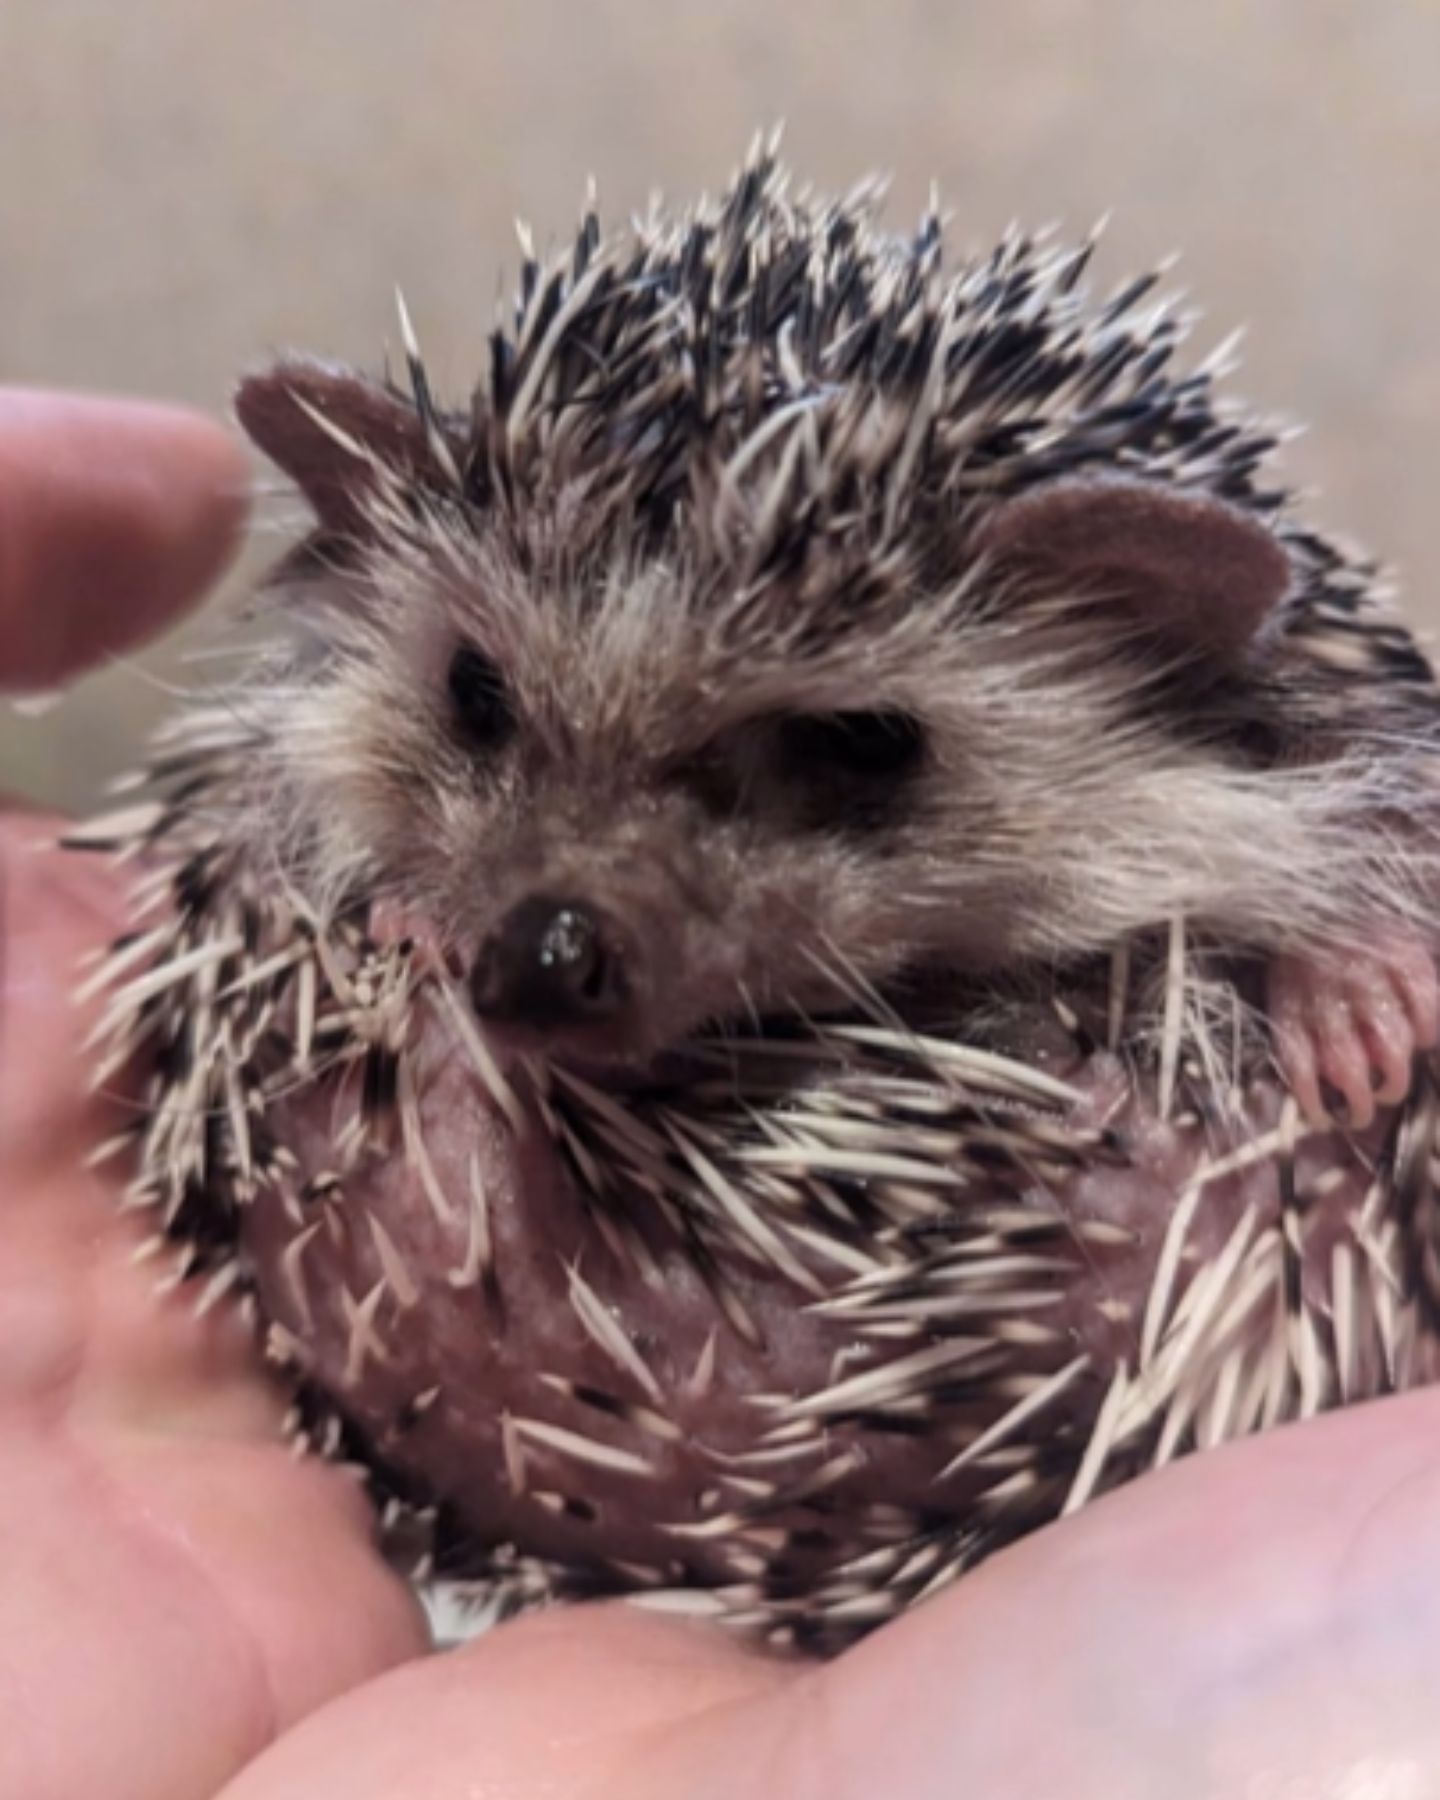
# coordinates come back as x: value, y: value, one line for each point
x: 186, y: 1611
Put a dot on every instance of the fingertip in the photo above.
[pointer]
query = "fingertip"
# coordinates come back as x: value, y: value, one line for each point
x: 115, y: 515
x: 578, y: 1700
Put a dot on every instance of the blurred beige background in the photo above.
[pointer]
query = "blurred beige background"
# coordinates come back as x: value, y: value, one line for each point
x: 184, y: 186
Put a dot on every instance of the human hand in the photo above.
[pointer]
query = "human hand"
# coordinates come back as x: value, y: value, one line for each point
x: 174, y: 1588
x: 185, y: 1611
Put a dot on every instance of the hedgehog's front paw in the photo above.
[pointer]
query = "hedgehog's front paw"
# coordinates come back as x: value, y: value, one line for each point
x: 1354, y: 1027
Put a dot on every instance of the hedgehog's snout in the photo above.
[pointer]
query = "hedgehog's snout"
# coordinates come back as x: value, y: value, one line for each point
x: 552, y: 964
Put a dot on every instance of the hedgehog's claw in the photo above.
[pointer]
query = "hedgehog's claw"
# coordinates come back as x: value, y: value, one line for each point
x: 1356, y: 1027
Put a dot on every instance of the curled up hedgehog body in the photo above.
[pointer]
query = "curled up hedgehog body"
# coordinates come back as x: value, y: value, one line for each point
x: 817, y: 941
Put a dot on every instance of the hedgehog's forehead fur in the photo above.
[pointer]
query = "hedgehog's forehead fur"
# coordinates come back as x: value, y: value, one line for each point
x: 763, y: 460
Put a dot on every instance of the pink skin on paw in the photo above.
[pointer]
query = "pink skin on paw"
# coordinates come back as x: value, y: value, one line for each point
x: 1354, y: 1027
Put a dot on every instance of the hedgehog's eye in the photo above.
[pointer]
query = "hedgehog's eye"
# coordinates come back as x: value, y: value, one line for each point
x: 869, y: 744
x: 477, y: 692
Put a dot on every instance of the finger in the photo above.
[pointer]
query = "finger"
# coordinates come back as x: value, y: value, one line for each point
x: 114, y: 515
x: 563, y: 1703
x: 170, y: 1605
x: 1269, y: 1606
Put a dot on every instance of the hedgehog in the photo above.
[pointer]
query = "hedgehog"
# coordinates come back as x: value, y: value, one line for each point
x: 813, y: 943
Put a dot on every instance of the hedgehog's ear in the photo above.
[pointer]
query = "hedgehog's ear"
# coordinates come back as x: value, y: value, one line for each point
x: 1198, y: 572
x: 333, y: 432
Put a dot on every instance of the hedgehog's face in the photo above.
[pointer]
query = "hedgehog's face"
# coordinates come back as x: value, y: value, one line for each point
x: 629, y: 791
x: 623, y: 828
x: 619, y: 829
x: 639, y: 891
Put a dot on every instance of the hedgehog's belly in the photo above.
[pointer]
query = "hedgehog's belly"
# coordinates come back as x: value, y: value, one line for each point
x: 575, y: 1384
x: 508, y: 1339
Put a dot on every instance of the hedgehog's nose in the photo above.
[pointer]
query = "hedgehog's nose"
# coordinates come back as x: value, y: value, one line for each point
x: 549, y: 963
